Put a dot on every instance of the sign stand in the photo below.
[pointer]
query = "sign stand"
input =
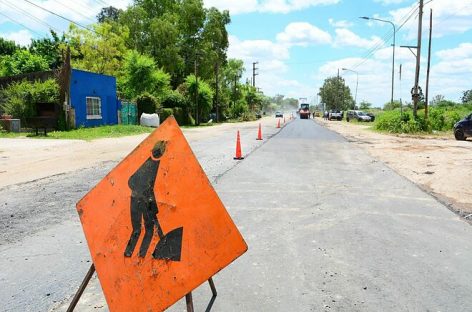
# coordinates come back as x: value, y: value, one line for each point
x: 188, y: 297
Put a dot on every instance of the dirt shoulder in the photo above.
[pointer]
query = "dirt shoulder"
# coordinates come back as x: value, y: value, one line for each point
x: 440, y: 165
x: 28, y: 159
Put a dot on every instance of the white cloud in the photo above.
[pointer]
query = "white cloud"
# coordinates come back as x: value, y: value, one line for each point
x: 389, y: 2
x: 266, y: 6
x: 345, y: 37
x: 449, y: 76
x: 340, y: 24
x: 303, y: 34
x: 39, y: 20
x: 449, y: 17
x: 22, y: 37
x: 464, y: 50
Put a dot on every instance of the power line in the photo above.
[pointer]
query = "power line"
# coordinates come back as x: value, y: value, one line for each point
x: 58, y: 15
x: 377, y: 47
x: 18, y: 23
x: 39, y: 21
x: 76, y: 11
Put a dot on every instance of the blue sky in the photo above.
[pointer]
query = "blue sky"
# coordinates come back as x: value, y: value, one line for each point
x: 298, y: 43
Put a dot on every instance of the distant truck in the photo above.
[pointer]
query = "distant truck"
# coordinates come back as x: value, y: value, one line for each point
x: 304, y: 111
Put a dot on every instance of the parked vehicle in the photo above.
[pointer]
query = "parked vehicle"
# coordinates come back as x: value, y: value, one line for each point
x: 279, y: 115
x: 304, y: 111
x: 463, y: 128
x: 335, y: 114
x: 372, y: 116
x: 357, y: 115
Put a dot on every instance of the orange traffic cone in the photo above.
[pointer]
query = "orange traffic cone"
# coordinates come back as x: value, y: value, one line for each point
x: 259, y: 133
x: 238, y: 149
x: 278, y: 123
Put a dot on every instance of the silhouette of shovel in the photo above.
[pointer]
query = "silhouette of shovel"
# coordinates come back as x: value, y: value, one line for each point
x: 169, y: 246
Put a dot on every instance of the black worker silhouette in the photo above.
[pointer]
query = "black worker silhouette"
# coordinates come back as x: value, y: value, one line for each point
x: 144, y: 208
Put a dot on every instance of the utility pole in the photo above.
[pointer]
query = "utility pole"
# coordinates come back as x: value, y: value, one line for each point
x: 254, y: 74
x: 429, y: 65
x: 415, y: 92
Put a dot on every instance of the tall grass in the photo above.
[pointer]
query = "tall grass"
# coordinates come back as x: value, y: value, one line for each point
x: 440, y: 119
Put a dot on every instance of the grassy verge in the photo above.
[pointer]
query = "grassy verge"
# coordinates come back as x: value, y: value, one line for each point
x: 87, y: 134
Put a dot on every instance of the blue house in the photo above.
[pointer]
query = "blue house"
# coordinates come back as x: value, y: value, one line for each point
x: 93, y: 99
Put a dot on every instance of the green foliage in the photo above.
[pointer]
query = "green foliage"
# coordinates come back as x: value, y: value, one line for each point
x: 392, y: 105
x: 467, y: 96
x: 175, y: 99
x: 49, y: 49
x: 101, y: 51
x: 336, y: 95
x: 204, y: 93
x: 140, y: 75
x: 109, y: 14
x: 19, y: 98
x: 22, y: 62
x: 394, y: 122
x: 441, y: 118
x: 7, y: 47
x: 364, y: 105
x: 146, y: 104
x: 165, y: 113
x: 239, y: 109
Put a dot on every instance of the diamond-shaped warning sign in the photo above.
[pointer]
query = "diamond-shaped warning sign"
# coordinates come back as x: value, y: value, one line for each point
x: 155, y: 227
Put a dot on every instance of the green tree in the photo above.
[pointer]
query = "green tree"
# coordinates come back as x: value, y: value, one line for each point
x: 101, y: 50
x: 467, y: 96
x: 140, y: 75
x: 205, y: 97
x: 365, y: 105
x: 7, y: 47
x: 49, y: 48
x: 437, y: 99
x: 336, y: 95
x: 22, y: 62
x: 109, y: 14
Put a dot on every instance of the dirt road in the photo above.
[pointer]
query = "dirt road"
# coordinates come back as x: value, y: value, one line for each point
x: 438, y: 164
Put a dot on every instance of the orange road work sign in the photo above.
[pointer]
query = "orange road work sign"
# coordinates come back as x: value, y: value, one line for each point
x: 155, y: 227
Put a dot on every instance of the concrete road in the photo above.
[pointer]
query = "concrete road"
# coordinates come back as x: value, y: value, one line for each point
x: 328, y: 229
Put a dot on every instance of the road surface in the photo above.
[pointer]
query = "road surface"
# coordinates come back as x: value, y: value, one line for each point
x: 328, y: 228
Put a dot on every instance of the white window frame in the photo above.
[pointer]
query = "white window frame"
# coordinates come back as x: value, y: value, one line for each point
x: 94, y: 116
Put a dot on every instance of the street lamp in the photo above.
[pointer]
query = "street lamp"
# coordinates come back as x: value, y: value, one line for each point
x: 393, y: 58
x: 357, y: 81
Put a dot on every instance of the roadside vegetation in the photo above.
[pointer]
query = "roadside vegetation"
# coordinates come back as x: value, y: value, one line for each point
x: 87, y: 134
x: 167, y: 56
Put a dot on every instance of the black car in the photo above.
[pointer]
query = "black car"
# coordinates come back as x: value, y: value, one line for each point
x: 279, y: 115
x: 463, y: 128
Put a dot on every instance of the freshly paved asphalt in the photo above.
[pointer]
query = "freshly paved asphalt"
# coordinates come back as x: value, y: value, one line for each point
x: 328, y: 229
x: 331, y: 229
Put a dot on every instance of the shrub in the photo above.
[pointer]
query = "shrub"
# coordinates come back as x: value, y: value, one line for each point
x: 146, y: 104
x: 174, y: 99
x: 395, y: 122
x: 165, y: 113
x: 19, y: 98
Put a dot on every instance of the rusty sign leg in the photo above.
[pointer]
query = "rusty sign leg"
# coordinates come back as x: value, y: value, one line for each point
x: 189, y: 300
x: 214, y: 294
x: 82, y: 287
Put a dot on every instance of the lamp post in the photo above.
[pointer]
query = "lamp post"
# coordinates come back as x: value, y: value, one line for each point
x: 357, y: 81
x: 393, y: 58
